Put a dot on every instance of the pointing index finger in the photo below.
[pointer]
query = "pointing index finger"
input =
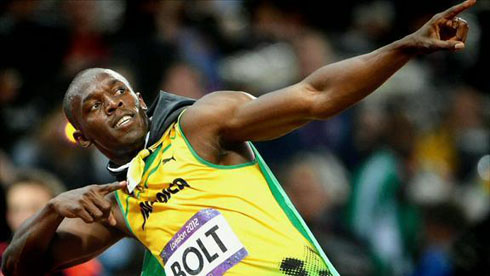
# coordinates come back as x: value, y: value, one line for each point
x: 455, y: 10
x: 111, y: 187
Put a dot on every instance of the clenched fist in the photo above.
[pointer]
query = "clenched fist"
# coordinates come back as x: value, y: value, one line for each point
x: 88, y: 203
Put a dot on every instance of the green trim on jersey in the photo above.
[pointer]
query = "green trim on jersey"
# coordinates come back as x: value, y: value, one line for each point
x: 151, y: 158
x: 125, y: 215
x: 207, y: 163
x: 151, y: 266
x: 288, y: 208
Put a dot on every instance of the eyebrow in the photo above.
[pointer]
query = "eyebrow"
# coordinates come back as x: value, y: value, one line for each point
x: 88, y: 98
x: 111, y: 83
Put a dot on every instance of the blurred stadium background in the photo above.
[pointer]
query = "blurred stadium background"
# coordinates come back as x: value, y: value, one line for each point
x: 397, y: 185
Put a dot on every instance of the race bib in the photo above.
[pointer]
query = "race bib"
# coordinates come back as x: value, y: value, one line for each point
x: 205, y: 245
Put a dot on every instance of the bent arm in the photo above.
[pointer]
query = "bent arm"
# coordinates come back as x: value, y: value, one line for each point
x: 326, y: 92
x: 90, y: 240
x: 338, y: 86
x: 31, y: 242
x: 72, y: 228
x: 236, y: 117
x: 49, y: 242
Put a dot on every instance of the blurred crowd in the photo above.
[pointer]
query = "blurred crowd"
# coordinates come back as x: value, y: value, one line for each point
x: 396, y: 185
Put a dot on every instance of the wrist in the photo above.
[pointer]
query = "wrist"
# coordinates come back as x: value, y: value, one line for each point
x: 408, y: 46
x: 51, y: 209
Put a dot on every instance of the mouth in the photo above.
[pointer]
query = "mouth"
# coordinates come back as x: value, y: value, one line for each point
x: 123, y: 121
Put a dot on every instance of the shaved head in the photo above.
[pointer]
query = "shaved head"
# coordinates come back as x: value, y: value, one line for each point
x: 80, y: 83
x: 107, y: 113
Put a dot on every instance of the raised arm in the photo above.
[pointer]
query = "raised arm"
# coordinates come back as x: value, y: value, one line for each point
x: 72, y: 228
x: 345, y: 83
x: 236, y: 117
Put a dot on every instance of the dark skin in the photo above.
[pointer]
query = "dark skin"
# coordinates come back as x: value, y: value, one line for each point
x: 98, y: 109
x: 78, y: 225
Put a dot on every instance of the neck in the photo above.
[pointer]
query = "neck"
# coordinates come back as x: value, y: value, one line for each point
x: 121, y: 160
x: 123, y: 157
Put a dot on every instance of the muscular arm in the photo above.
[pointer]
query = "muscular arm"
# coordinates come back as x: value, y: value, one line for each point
x: 64, y: 233
x: 329, y: 90
x: 31, y: 241
x: 91, y: 239
x: 236, y: 117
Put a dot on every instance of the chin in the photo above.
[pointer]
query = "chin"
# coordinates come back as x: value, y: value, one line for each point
x: 133, y: 139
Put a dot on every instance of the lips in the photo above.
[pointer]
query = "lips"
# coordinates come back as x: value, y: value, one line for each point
x: 123, y: 120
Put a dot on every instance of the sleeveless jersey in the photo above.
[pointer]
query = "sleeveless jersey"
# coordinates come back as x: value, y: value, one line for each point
x: 198, y: 218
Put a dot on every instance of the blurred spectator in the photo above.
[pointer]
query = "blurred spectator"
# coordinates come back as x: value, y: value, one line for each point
x: 26, y: 195
x: 378, y: 210
x: 272, y: 20
x: 9, y: 85
x: 463, y: 134
x: 184, y: 80
x: 33, y: 43
x: 10, y: 82
x: 372, y: 22
x: 263, y: 69
x: 443, y: 222
x: 317, y: 185
x: 86, y: 47
x: 4, y: 229
x: 321, y: 177
x: 466, y: 123
x: 436, y: 152
x: 471, y: 251
x: 123, y: 258
x: 138, y: 45
x: 313, y: 50
x: 448, y: 154
x: 50, y: 148
x: 7, y: 170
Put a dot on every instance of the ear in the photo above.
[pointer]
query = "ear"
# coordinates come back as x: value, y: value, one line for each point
x: 142, y: 102
x: 81, y: 139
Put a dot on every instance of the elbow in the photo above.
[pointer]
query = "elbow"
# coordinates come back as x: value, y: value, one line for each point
x: 317, y: 104
x: 7, y: 264
x: 306, y: 101
x: 11, y: 265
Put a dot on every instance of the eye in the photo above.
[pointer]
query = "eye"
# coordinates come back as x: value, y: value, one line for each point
x: 120, y: 90
x: 95, y: 106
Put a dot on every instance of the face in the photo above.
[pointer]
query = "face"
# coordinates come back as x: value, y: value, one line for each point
x: 110, y: 115
x: 23, y: 201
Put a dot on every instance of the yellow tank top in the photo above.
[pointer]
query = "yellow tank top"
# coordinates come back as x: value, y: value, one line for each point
x: 198, y: 218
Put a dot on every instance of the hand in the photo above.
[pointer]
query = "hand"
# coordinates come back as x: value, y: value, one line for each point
x: 445, y: 31
x: 88, y: 203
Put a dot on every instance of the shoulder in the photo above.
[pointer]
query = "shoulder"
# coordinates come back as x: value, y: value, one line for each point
x: 208, y: 118
x: 214, y: 108
x: 221, y: 100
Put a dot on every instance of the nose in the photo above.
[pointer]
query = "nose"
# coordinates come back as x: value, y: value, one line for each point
x: 111, y: 104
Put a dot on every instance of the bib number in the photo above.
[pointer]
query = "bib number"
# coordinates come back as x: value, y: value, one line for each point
x: 205, y: 245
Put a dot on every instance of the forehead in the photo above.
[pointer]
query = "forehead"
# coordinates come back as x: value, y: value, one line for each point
x: 92, y: 84
x: 99, y: 81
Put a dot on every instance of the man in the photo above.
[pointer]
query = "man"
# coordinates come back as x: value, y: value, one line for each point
x: 198, y: 196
